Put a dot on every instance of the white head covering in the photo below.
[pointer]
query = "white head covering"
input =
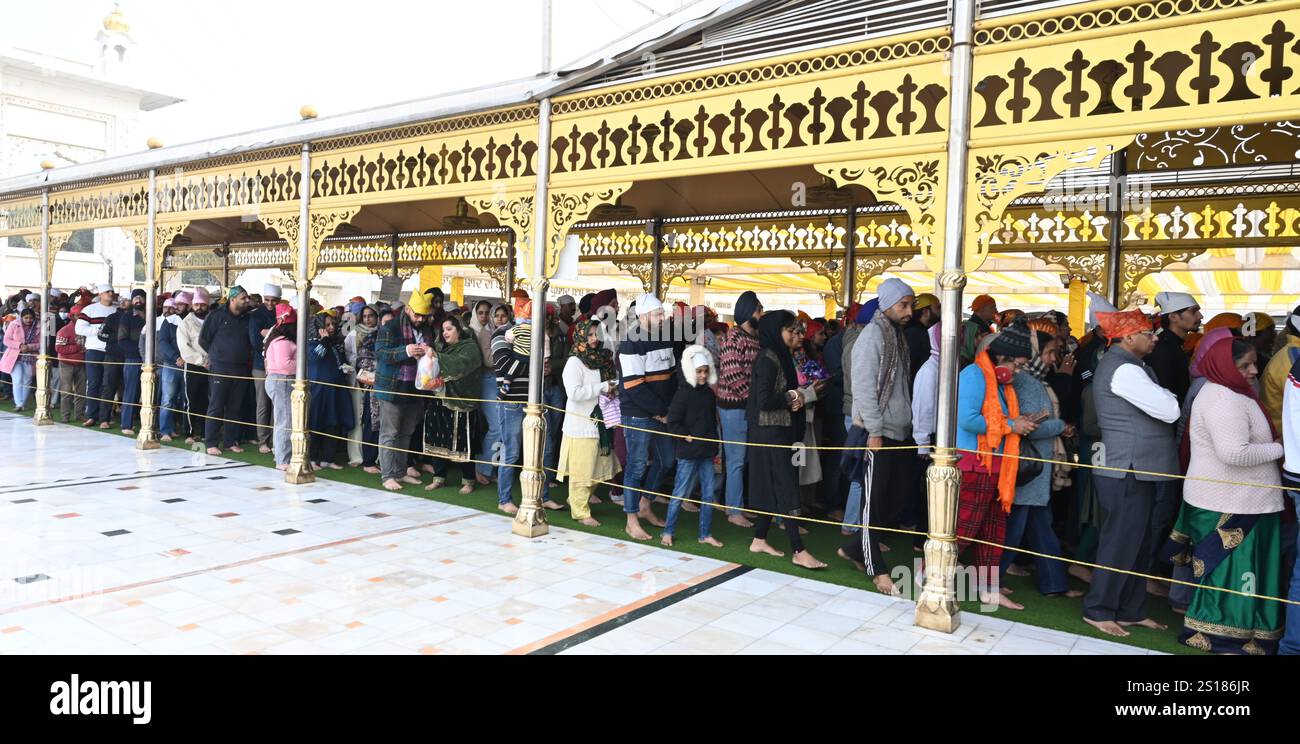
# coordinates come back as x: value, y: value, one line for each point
x: 1172, y: 302
x: 891, y: 291
x: 1098, y: 304
x: 647, y: 303
x: 565, y: 300
x: 31, y: 297
x: 694, y: 357
x: 103, y: 287
x: 271, y: 290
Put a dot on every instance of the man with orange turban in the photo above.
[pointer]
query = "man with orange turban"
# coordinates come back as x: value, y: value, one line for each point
x: 1136, y: 417
x: 983, y: 310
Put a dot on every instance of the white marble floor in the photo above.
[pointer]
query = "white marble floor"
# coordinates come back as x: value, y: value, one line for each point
x: 104, y: 549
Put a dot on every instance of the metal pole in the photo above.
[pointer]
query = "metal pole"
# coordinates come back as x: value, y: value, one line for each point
x: 41, y: 411
x: 937, y: 607
x: 1115, y: 215
x: 546, y: 36
x: 510, y: 267
x: 530, y: 520
x: 299, y: 471
x: 657, y: 287
x: 850, y: 256
x: 147, y: 439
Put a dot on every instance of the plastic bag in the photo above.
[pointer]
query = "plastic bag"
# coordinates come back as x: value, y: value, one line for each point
x: 426, y: 372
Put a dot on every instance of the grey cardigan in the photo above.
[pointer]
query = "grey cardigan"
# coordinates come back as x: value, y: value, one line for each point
x: 891, y: 418
x: 1033, y: 398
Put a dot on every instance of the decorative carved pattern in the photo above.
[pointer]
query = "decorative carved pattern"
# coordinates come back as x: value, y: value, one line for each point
x: 1089, y: 266
x: 99, y: 205
x: 912, y: 183
x: 1200, y: 63
x: 642, y: 270
x: 57, y: 243
x: 670, y: 270
x: 261, y: 184
x: 569, y: 207
x: 499, y: 273
x: 21, y: 215
x: 1012, y: 30
x: 830, y: 268
x: 879, y: 52
x: 164, y: 235
x: 321, y: 223
x: 767, y: 239
x: 1135, y: 265
x: 430, y: 128
x: 869, y: 266
x: 604, y: 243
x: 479, y: 158
x: 1239, y: 144
x: 1001, y: 176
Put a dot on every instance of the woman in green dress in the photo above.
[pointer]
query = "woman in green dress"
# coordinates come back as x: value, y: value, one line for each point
x: 449, y: 426
x: 1230, y: 534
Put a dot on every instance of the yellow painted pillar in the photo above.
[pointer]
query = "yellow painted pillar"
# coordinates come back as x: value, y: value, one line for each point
x: 1078, y: 304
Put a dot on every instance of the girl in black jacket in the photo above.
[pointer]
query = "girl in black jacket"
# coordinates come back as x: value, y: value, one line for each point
x: 692, y: 416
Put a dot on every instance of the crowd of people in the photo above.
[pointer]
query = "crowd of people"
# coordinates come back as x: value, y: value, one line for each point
x: 1148, y: 444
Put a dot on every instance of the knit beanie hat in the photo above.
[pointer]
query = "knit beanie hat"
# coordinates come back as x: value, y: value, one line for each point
x: 1013, y: 341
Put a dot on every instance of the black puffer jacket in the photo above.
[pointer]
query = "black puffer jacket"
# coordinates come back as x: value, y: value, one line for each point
x: 693, y: 411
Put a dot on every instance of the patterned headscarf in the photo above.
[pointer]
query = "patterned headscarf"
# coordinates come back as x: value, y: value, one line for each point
x: 598, y: 358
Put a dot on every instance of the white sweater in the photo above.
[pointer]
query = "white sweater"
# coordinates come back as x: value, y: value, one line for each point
x: 583, y: 386
x: 1231, y: 441
x: 90, y: 331
x: 187, y: 340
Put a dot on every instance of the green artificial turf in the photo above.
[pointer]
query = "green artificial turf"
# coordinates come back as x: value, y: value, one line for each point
x: 1058, y: 613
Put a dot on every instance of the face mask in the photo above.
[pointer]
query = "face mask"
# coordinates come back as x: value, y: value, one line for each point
x: 1003, y: 375
x: 63, y: 316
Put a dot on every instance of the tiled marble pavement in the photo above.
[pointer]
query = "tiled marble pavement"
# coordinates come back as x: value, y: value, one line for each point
x: 178, y: 552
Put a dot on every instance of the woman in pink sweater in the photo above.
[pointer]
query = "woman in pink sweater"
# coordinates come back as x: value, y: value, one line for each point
x: 1229, y: 530
x: 281, y: 364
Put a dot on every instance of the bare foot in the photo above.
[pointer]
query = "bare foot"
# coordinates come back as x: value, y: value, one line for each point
x: 1082, y: 573
x: 589, y: 522
x: 413, y: 472
x: 594, y: 499
x: 1014, y: 570
x: 634, y: 530
x: 282, y: 467
x: 856, y: 564
x: 189, y: 440
x: 835, y: 515
x: 264, y: 449
x: 436, y: 483
x: 371, y: 469
x: 1109, y: 627
x: 885, y: 585
x: 761, y: 546
x: 88, y: 422
x: 237, y: 448
x: 411, y: 480
x: 1157, y: 588
x: 466, y: 489
x: 1006, y: 591
x: 482, y: 479
x: 1005, y: 602
x: 213, y: 451
x: 710, y: 540
x: 427, y: 468
x: 806, y: 560
x: 885, y: 548
x: 508, y: 507
x: 803, y: 531
x: 1148, y: 623
x: 165, y: 438
x: 740, y: 521
x: 648, y: 515
x: 551, y: 505
x: 666, y: 540
x: 128, y: 432
x: 689, y: 507
x: 392, y: 484
x: 431, y: 487
x: 333, y: 466
x: 1071, y: 594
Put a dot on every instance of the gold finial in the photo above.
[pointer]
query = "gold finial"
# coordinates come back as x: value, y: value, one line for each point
x: 154, y: 143
x: 115, y: 21
x: 307, y: 112
x: 47, y: 165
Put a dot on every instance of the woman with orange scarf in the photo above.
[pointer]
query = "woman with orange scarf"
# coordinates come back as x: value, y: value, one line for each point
x: 989, y: 427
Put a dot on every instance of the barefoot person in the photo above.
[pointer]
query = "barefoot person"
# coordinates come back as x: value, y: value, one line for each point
x: 737, y: 352
x: 225, y: 338
x: 398, y: 347
x: 989, y: 428
x: 645, y: 354
x: 776, y: 417
x: 1136, y: 417
x: 692, y: 416
x: 882, y: 406
x: 587, y: 452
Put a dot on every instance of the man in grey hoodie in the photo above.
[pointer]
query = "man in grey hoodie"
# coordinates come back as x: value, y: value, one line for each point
x: 882, y: 405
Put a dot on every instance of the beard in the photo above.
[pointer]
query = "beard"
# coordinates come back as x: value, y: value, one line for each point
x: 201, y: 313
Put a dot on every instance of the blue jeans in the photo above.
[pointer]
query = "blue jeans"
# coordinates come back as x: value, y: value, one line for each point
x: 553, y: 396
x: 853, y: 505
x: 24, y: 379
x: 1290, y: 644
x: 130, y: 393
x: 647, y: 456
x: 512, y: 437
x: 687, y: 472
x: 1034, y: 524
x: 173, y: 397
x: 492, y: 414
x: 94, y: 382
x: 734, y: 429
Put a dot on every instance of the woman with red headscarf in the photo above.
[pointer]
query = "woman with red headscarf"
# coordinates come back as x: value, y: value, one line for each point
x: 1227, y: 529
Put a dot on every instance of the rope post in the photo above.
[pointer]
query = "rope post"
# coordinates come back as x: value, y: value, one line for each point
x: 936, y: 608
x: 147, y: 439
x: 530, y: 520
x: 41, y: 411
x: 299, y: 470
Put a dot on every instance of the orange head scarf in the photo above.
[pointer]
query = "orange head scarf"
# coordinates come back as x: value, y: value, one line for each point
x: 998, y: 432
